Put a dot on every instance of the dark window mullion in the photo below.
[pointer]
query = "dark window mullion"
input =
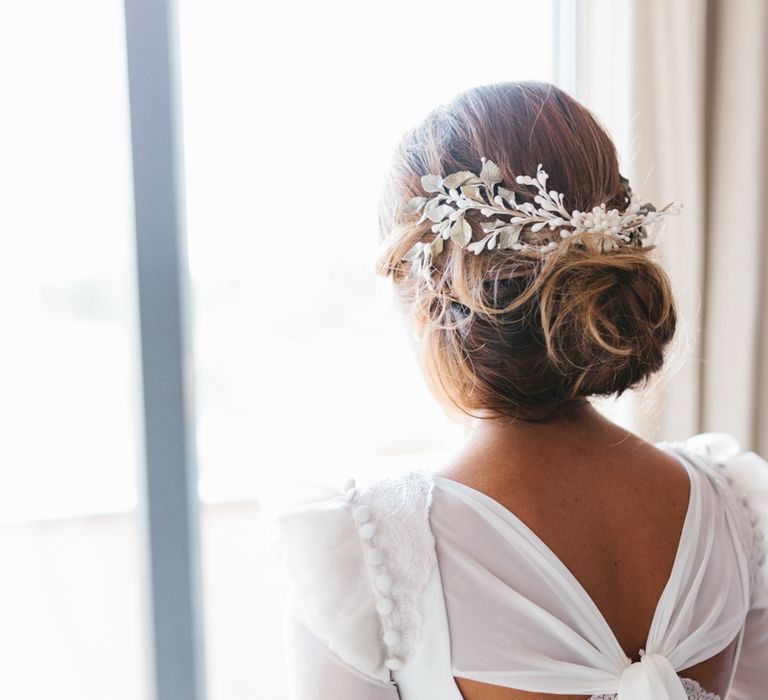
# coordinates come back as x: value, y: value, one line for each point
x: 169, y: 495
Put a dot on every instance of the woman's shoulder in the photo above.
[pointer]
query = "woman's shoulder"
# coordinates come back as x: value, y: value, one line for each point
x: 357, y: 559
x: 741, y: 476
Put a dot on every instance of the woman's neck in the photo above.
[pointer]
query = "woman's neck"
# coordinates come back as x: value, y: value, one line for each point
x: 580, y: 429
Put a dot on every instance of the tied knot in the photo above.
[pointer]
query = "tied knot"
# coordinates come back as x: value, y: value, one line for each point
x: 651, y: 677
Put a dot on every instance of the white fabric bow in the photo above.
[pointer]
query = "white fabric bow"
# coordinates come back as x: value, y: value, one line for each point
x: 651, y: 677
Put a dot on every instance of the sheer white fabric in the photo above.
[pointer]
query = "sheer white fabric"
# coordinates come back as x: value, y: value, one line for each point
x: 501, y: 608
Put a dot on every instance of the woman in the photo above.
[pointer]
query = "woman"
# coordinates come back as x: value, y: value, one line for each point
x: 557, y: 555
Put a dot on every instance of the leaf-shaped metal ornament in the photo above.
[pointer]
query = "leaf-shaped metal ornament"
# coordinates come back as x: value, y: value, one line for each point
x: 439, y: 212
x: 507, y: 220
x: 509, y: 195
x: 490, y: 174
x: 432, y: 183
x: 414, y: 205
x: 431, y: 204
x: 472, y: 192
x: 467, y: 232
x: 455, y: 180
x: 477, y: 246
x: 542, y: 176
x: 509, y: 236
x: 459, y: 232
x: 494, y: 224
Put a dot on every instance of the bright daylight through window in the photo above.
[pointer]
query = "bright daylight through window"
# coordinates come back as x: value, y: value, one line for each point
x: 302, y: 365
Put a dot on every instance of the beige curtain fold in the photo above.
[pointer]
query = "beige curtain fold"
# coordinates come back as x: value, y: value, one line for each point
x: 735, y: 352
x: 692, y: 122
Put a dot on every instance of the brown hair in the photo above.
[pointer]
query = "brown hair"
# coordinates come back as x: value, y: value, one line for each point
x: 513, y: 333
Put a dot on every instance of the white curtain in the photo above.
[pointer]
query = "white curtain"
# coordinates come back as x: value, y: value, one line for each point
x: 686, y: 98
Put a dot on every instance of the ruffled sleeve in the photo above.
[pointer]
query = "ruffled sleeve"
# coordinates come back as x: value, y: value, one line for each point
x: 333, y: 625
x: 315, y: 672
x: 745, y: 475
x: 357, y: 561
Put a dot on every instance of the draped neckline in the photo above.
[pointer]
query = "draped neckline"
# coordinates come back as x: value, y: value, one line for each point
x: 678, y: 563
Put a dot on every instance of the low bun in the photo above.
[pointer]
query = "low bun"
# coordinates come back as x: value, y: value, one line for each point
x: 531, y: 338
x: 606, y: 319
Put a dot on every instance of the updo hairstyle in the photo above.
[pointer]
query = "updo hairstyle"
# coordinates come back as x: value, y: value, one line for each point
x: 524, y: 334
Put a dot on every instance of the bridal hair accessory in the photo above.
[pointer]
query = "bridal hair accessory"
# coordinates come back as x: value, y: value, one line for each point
x: 600, y: 229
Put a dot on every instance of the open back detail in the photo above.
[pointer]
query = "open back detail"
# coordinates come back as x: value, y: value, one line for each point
x: 497, y: 606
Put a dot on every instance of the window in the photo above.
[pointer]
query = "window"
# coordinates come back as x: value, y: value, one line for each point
x: 70, y: 597
x: 303, y: 366
x: 301, y: 363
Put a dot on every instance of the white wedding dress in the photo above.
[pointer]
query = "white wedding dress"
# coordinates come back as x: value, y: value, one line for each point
x: 406, y: 584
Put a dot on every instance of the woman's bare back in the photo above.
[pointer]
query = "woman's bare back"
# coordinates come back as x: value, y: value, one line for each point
x: 610, y: 505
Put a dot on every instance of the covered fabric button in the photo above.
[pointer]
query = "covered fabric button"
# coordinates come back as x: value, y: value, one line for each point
x: 376, y: 557
x: 367, y: 531
x: 362, y: 514
x: 385, y: 606
x: 394, y: 664
x: 384, y: 583
x: 349, y: 484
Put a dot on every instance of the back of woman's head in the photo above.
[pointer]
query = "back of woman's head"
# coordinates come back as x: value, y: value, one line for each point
x: 516, y: 333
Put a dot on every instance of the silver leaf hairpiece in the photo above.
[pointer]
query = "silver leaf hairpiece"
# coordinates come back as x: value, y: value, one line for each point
x: 455, y: 194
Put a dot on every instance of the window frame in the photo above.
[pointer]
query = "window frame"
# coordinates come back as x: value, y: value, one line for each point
x: 168, y: 502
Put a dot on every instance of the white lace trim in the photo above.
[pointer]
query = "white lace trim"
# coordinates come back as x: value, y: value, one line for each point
x: 724, y: 452
x: 693, y: 691
x: 753, y: 535
x: 392, y: 516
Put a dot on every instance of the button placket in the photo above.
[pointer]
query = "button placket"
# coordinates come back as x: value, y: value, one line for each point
x: 383, y: 582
